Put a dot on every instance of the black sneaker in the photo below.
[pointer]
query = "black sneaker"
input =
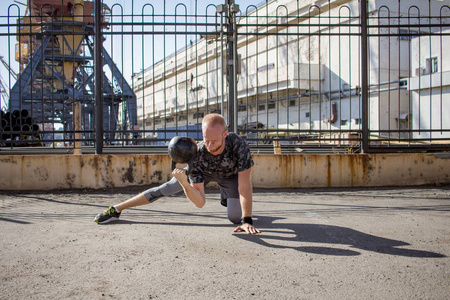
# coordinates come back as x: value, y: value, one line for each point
x: 107, y: 216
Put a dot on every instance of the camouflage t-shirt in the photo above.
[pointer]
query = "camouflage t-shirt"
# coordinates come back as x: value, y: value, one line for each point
x: 235, y: 158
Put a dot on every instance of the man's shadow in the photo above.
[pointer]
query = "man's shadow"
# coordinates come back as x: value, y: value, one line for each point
x: 280, y: 235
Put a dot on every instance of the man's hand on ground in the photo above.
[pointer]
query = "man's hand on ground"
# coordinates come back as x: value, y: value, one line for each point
x: 250, y: 229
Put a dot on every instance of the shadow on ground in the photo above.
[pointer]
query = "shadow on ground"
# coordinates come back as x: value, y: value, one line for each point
x: 275, y: 234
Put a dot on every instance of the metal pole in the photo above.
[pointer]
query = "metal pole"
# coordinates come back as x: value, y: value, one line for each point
x: 364, y: 78
x: 77, y: 127
x: 235, y: 9
x: 232, y: 65
x: 221, y: 9
x: 98, y: 69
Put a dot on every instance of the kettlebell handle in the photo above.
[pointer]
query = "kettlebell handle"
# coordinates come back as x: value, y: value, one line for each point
x: 173, y: 165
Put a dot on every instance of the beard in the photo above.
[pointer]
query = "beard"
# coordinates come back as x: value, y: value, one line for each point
x: 215, y: 149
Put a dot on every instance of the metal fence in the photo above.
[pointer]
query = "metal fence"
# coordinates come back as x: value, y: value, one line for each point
x: 289, y: 76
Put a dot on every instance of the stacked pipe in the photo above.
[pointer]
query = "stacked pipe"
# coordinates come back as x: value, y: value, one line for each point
x: 17, y: 126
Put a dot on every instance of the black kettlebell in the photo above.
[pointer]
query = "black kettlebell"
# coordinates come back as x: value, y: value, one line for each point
x: 182, y: 150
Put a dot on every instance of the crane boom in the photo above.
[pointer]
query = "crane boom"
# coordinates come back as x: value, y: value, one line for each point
x: 11, y: 71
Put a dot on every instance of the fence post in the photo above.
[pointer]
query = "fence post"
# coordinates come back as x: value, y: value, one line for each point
x: 364, y: 77
x: 77, y: 127
x: 98, y: 69
x: 232, y: 64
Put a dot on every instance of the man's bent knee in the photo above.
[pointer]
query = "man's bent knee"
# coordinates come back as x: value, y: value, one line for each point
x: 235, y: 219
x: 234, y: 210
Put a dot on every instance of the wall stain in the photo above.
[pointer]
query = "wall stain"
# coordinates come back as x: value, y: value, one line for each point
x: 328, y: 171
x: 41, y: 173
x: 109, y: 182
x: 8, y: 161
x: 367, y: 168
x: 352, y: 170
x: 156, y: 175
x: 70, y: 180
x: 129, y: 173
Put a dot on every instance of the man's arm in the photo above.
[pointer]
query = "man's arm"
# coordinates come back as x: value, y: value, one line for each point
x: 245, y: 192
x: 246, y: 197
x: 195, y: 192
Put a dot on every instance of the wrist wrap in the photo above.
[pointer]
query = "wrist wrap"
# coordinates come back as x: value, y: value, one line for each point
x: 247, y: 220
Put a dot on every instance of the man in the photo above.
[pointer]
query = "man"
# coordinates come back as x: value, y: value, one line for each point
x: 222, y: 157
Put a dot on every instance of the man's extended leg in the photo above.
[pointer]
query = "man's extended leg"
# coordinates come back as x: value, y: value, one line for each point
x: 137, y: 200
x: 171, y: 187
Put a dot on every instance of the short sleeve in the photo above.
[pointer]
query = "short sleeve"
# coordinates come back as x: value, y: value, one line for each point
x: 244, y: 157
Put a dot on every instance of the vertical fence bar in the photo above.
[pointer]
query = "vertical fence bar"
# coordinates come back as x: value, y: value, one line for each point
x: 98, y: 63
x: 231, y: 68
x: 364, y: 78
x: 233, y: 11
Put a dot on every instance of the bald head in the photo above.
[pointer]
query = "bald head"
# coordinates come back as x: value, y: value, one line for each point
x: 214, y: 133
x: 213, y: 120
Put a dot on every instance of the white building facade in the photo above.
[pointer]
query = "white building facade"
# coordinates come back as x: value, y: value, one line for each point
x: 429, y: 87
x: 300, y: 69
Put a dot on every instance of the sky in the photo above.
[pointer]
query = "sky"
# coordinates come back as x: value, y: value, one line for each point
x: 126, y: 51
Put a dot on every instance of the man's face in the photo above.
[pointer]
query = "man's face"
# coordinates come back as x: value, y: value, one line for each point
x: 214, y: 139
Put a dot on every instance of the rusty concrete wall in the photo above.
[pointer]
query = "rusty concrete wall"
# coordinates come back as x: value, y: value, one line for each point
x: 48, y: 172
x: 335, y: 170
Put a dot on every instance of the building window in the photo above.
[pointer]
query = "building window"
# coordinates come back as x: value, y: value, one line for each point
x: 198, y: 115
x: 215, y: 111
x: 182, y: 118
x: 242, y: 107
x: 292, y: 103
x: 262, y: 107
x: 307, y: 114
x: 271, y: 105
x: 432, y: 65
x: 358, y: 121
x: 343, y: 122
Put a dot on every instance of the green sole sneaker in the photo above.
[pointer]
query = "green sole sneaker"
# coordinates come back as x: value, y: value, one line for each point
x: 107, y: 216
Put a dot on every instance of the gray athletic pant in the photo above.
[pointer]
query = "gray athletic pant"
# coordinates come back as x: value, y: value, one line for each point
x: 229, y: 194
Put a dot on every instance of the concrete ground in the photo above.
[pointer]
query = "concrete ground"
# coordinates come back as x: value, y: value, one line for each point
x: 390, y: 243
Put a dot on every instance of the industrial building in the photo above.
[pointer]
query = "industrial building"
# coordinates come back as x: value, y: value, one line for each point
x: 299, y: 71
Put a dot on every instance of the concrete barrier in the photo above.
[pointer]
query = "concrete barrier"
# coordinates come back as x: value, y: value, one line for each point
x: 50, y: 172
